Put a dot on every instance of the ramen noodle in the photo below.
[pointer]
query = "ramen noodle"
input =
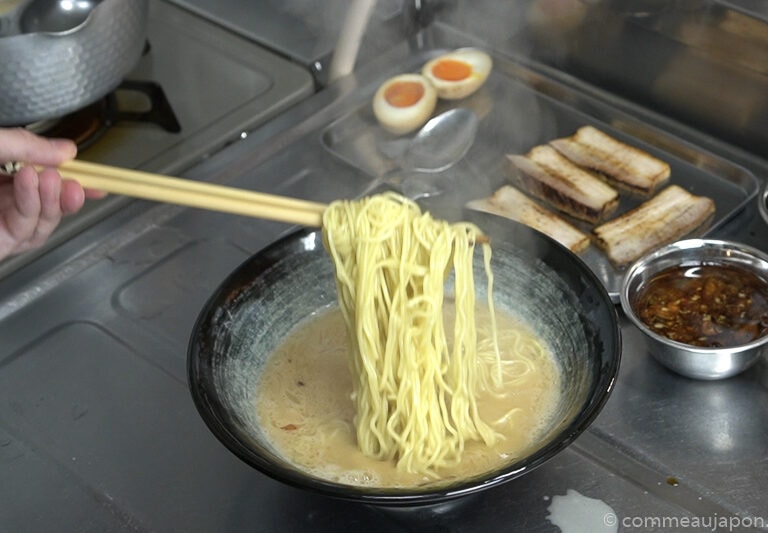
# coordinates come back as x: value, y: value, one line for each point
x: 415, y: 400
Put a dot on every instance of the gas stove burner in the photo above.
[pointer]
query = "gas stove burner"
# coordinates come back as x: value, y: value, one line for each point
x: 84, y: 126
x: 133, y: 101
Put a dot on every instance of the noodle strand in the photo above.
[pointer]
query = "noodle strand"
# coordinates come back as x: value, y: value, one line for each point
x: 415, y: 398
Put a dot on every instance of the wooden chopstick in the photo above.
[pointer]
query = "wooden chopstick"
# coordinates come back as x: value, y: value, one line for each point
x: 192, y: 193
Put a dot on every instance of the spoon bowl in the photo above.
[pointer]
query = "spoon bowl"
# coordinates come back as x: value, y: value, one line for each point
x: 441, y: 142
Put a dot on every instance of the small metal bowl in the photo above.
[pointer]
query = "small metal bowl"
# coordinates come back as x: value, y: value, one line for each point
x: 685, y: 359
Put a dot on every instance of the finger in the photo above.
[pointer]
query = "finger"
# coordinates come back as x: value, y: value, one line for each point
x: 49, y: 189
x: 72, y: 197
x: 95, y: 194
x: 18, y: 144
x: 19, y: 217
x: 49, y: 192
x: 7, y: 197
x: 26, y: 194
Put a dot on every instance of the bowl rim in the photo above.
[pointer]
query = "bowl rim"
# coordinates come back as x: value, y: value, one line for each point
x: 666, y: 250
x: 762, y: 202
x: 604, y: 382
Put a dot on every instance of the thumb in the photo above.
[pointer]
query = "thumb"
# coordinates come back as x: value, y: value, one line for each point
x: 18, y: 144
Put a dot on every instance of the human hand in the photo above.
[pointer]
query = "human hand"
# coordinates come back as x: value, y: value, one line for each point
x: 32, y: 203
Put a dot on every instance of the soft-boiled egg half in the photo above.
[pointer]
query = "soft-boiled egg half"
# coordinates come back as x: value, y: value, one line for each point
x: 459, y: 73
x: 404, y: 102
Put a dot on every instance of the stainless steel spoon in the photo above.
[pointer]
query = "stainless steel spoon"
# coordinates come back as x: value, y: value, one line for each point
x: 438, y: 145
x: 56, y: 16
x: 441, y: 143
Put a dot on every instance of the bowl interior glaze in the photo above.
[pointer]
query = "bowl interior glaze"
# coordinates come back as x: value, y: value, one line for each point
x: 259, y: 304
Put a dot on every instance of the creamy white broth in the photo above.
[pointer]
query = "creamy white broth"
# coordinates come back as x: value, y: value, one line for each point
x: 304, y: 407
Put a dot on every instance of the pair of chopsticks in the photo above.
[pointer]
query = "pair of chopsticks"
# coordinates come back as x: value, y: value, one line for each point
x: 139, y: 184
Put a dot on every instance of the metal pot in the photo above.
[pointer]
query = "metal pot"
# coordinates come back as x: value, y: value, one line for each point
x: 46, y: 75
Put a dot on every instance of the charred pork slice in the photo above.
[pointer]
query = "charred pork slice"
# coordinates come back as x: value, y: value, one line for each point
x: 668, y: 216
x: 623, y: 166
x: 547, y: 175
x: 513, y: 204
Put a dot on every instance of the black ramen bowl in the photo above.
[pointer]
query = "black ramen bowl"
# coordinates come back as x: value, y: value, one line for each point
x: 258, y: 305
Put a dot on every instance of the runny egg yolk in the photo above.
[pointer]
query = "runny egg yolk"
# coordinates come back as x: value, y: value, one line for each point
x: 451, y: 70
x: 404, y: 93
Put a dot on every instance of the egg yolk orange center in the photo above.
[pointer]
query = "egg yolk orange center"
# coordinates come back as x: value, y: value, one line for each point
x: 451, y: 70
x: 404, y: 93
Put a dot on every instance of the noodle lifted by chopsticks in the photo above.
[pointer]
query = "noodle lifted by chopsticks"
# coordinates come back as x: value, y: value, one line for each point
x: 414, y: 391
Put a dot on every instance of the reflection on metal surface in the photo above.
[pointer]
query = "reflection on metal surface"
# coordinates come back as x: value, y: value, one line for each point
x: 686, y: 59
x: 311, y: 242
x: 296, y: 29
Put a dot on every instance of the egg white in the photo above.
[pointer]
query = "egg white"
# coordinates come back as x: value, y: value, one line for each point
x: 400, y: 120
x: 480, y: 65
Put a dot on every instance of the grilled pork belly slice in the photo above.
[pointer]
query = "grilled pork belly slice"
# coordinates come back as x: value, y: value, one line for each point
x: 548, y: 175
x: 623, y: 166
x: 667, y: 217
x: 513, y: 204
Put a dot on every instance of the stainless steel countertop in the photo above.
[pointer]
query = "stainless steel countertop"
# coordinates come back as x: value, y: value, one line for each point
x: 300, y: 31
x: 98, y: 431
